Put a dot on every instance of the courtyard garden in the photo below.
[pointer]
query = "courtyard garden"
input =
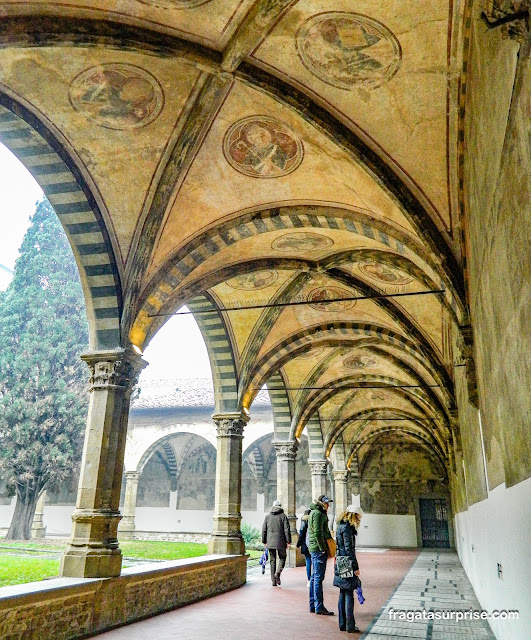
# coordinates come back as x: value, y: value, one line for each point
x: 29, y: 561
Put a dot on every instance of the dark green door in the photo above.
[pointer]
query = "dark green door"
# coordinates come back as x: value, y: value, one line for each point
x: 434, y: 522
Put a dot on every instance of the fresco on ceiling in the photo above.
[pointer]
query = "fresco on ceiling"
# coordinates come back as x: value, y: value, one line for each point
x: 117, y: 96
x: 359, y: 362
x: 383, y: 273
x: 378, y: 396
x: 340, y: 398
x: 254, y: 281
x: 303, y: 241
x: 174, y: 4
x: 317, y: 299
x: 348, y: 50
x: 262, y: 147
x: 314, y: 353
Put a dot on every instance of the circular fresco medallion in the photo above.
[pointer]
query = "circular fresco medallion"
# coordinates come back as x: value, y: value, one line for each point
x: 348, y: 50
x: 384, y: 273
x: 317, y: 299
x: 117, y: 96
x: 262, y: 147
x: 358, y: 362
x: 174, y: 4
x: 301, y: 241
x: 254, y: 281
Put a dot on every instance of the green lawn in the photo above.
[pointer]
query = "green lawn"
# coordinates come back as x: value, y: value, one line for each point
x: 17, y: 569
x: 161, y: 550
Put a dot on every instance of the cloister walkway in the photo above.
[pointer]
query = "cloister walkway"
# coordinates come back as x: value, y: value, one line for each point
x: 399, y: 579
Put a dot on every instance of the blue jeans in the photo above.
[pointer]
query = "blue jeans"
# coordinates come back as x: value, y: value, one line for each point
x: 345, y: 605
x: 308, y: 559
x: 319, y: 559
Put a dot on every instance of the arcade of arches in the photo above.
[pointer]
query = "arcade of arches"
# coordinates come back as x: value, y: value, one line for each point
x: 341, y: 197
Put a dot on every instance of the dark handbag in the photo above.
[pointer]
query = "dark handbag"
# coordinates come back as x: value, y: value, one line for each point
x: 344, y: 567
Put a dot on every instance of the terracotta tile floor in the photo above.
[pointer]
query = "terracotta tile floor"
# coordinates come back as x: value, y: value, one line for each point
x: 257, y: 611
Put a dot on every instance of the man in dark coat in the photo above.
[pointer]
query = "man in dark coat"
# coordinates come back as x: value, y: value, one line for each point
x: 276, y: 535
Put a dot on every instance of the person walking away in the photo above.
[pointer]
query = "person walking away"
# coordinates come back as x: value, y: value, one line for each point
x: 318, y: 534
x: 301, y: 543
x: 276, y: 535
x: 346, y: 532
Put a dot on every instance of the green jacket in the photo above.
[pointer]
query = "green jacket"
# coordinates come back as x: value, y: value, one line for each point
x: 318, y: 530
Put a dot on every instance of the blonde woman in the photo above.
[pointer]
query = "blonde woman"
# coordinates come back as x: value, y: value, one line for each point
x: 347, y: 530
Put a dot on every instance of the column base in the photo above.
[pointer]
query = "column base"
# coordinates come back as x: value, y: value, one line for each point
x: 294, y: 557
x: 226, y: 545
x: 93, y: 551
x: 38, y: 532
x: 91, y: 563
x: 126, y: 534
x: 126, y: 528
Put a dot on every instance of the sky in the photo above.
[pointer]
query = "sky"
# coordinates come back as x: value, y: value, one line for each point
x: 178, y: 349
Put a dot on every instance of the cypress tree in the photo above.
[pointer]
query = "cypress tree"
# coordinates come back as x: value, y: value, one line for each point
x: 43, y: 398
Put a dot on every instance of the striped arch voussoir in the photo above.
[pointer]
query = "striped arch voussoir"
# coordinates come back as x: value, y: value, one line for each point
x: 326, y: 334
x: 38, y: 151
x: 158, y: 297
x: 220, y: 353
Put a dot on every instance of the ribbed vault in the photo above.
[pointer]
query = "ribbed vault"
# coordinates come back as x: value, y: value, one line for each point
x: 286, y: 169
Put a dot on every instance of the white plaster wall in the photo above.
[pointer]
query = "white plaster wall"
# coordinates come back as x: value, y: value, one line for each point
x: 57, y: 519
x: 381, y: 530
x: 6, y: 514
x: 497, y: 530
x: 376, y: 530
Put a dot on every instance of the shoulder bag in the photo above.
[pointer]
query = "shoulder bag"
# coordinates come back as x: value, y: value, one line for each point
x: 344, y: 567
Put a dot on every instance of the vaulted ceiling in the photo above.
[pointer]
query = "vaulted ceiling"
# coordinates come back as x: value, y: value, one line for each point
x: 249, y: 155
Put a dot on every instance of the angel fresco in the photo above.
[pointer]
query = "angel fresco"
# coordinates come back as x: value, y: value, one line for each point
x: 117, y: 96
x: 383, y: 273
x: 262, y: 148
x: 302, y: 241
x: 347, y: 49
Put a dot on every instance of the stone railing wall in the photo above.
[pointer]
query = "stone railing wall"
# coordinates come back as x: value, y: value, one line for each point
x: 68, y: 608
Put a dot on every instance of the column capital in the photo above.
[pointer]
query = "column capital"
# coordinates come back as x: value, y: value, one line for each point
x: 133, y: 476
x: 286, y: 449
x: 318, y: 467
x: 113, y: 369
x: 230, y: 424
x: 340, y: 475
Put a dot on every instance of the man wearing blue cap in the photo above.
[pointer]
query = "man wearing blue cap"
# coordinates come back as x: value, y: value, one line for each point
x: 318, y: 533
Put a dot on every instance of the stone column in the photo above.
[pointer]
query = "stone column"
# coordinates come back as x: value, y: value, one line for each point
x: 286, y: 457
x: 318, y: 471
x: 38, y: 530
x: 93, y: 550
x: 226, y: 536
x: 127, y: 526
x: 340, y: 490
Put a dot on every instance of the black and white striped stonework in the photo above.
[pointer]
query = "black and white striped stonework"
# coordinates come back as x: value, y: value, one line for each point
x: 280, y: 405
x: 82, y: 224
x: 219, y: 349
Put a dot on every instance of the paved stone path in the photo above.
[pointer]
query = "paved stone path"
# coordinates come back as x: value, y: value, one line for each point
x: 396, y: 579
x: 436, y: 582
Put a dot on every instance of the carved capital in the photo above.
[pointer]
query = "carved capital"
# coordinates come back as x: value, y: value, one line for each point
x: 286, y: 450
x: 230, y: 425
x: 318, y: 467
x: 117, y: 369
x: 132, y: 476
x: 340, y: 475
